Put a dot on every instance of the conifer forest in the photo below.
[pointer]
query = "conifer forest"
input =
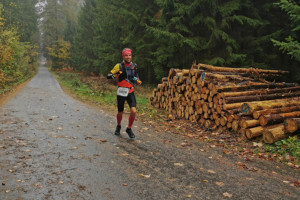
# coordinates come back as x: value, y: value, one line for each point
x: 88, y: 35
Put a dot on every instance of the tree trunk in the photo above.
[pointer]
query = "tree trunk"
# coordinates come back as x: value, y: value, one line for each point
x: 240, y: 70
x: 251, y: 86
x: 292, y: 125
x: 223, y: 78
x: 254, y: 132
x: 272, y: 135
x: 250, y: 123
x: 233, y: 106
x: 172, y: 72
x: 258, y: 113
x: 249, y: 108
x: 257, y: 92
x: 260, y: 97
x: 277, y: 118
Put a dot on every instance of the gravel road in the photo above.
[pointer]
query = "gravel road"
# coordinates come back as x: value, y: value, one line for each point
x: 55, y: 147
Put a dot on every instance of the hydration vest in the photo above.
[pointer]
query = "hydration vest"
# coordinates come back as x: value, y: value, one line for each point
x: 128, y: 73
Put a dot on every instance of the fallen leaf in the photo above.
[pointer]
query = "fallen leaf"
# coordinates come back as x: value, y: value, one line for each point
x: 103, y: 140
x: 38, y: 186
x: 61, y: 182
x: 19, y: 181
x: 205, y: 181
x: 7, y: 191
x: 145, y: 176
x: 184, y: 144
x: 257, y: 144
x: 178, y: 164
x: 81, y: 187
x: 220, y: 184
x: 189, y: 196
x: 286, y: 181
x: 226, y: 194
x: 211, y: 171
x: 254, y: 169
x: 124, y: 184
x: 226, y: 152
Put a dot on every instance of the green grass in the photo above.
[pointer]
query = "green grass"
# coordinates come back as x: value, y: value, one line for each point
x: 106, y: 95
x: 73, y: 82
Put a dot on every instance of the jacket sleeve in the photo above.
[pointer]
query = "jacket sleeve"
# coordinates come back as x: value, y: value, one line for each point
x: 113, y: 73
x: 116, y: 69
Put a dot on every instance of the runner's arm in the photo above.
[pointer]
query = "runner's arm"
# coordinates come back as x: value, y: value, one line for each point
x: 114, y: 72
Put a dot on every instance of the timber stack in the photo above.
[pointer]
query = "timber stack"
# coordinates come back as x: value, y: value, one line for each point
x: 249, y: 101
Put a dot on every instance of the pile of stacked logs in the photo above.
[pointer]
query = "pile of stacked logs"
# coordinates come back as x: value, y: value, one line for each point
x: 249, y: 101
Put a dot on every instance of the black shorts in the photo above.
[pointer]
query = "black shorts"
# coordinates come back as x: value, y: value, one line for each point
x: 130, y: 100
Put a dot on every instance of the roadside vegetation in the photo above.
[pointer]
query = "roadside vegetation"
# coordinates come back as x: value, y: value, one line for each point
x: 18, y: 57
x: 99, y: 91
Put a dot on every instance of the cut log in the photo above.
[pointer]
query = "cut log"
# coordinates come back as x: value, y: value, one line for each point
x: 258, y: 92
x: 249, y: 107
x: 260, y: 97
x: 258, y: 113
x: 224, y: 78
x: 240, y: 70
x: 235, y: 125
x: 271, y: 135
x: 277, y: 118
x: 172, y: 72
x: 250, y: 123
x: 251, y: 86
x: 164, y: 79
x: 292, y: 125
x: 233, y: 106
x: 254, y: 132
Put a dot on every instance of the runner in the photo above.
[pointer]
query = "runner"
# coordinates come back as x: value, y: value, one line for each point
x: 126, y: 74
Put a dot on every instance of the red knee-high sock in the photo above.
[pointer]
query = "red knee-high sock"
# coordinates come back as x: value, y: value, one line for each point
x: 119, y: 119
x: 130, y: 121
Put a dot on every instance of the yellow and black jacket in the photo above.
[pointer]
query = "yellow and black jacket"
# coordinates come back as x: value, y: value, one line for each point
x: 127, y: 75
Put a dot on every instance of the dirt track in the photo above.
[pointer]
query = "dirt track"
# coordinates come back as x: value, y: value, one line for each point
x: 54, y: 147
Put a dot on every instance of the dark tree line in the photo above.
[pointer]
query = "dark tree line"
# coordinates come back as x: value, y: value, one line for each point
x: 168, y: 34
x: 21, y: 14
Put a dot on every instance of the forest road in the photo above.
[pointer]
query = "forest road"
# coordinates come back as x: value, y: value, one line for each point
x: 55, y: 147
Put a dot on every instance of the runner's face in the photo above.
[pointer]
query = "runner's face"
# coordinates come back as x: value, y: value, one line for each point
x: 128, y: 58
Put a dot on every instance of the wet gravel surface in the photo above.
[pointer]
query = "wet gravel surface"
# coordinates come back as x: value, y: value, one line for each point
x: 55, y: 147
